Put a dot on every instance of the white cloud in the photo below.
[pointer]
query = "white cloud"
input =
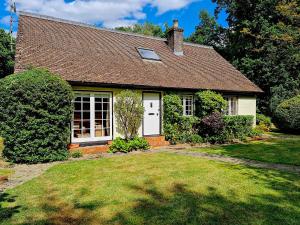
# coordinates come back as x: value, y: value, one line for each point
x: 109, y: 12
x: 5, y: 20
x: 167, y: 5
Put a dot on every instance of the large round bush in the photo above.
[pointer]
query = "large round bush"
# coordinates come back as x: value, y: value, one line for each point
x: 208, y: 102
x: 36, y: 110
x: 287, y: 115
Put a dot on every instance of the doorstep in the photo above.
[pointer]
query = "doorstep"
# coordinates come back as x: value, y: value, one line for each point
x: 154, y: 142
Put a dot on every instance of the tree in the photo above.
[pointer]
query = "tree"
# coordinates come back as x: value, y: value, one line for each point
x: 6, y: 55
x: 209, y: 32
x: 147, y: 28
x: 264, y: 44
x: 129, y: 112
x: 36, y: 111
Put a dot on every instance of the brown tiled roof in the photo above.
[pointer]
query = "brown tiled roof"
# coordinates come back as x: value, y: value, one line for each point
x: 85, y: 54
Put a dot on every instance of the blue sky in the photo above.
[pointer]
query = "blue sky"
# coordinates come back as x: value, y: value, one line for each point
x: 112, y: 13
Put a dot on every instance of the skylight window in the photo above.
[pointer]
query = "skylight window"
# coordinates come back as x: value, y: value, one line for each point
x: 148, y: 54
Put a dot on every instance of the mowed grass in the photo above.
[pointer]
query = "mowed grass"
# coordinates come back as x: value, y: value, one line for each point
x: 284, y: 149
x: 154, y: 188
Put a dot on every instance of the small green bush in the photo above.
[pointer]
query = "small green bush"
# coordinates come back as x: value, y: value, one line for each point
x: 263, y: 122
x: 194, y: 139
x: 208, y: 102
x: 287, y: 115
x: 238, y: 127
x: 122, y: 145
x: 36, y: 111
x: 76, y: 154
x: 129, y: 112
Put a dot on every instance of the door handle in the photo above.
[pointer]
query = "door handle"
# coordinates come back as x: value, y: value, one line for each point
x: 151, y: 114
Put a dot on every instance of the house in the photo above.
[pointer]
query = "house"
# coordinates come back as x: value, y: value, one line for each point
x: 99, y: 63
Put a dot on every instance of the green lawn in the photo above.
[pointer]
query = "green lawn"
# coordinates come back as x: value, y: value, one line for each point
x: 282, y: 149
x: 156, y: 188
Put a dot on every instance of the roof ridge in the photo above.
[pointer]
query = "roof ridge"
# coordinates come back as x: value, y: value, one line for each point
x: 36, y: 15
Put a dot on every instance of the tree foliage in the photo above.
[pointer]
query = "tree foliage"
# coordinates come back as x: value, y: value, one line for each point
x: 6, y: 55
x: 36, y: 111
x: 129, y: 112
x: 264, y: 43
x: 209, y: 32
x: 147, y: 28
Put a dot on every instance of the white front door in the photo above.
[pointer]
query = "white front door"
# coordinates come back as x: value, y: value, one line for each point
x: 151, y: 102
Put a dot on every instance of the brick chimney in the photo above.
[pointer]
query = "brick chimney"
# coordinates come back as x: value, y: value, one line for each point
x: 175, y: 39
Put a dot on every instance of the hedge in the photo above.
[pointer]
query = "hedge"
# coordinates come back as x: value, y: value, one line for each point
x: 36, y: 110
x: 287, y: 115
x: 238, y: 127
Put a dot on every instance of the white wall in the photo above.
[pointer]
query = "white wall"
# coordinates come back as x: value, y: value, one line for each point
x: 247, y: 106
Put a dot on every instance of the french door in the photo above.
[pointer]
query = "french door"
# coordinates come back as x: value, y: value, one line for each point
x: 92, y: 118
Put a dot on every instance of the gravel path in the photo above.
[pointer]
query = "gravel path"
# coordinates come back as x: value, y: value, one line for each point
x: 25, y: 173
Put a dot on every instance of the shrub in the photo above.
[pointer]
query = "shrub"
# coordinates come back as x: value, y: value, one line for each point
x: 173, y: 109
x: 287, y: 115
x: 36, y: 110
x: 76, y: 154
x: 177, y: 127
x: 238, y: 127
x: 263, y: 122
x: 208, y: 102
x: 122, y: 145
x: 138, y: 143
x: 212, y: 127
x: 129, y: 112
x: 194, y: 139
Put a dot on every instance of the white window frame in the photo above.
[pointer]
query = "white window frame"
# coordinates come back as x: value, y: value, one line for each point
x: 229, y: 108
x: 184, y: 98
x: 92, y: 119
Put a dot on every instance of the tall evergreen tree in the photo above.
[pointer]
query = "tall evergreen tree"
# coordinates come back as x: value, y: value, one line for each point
x: 209, y: 32
x: 264, y: 43
x: 6, y: 55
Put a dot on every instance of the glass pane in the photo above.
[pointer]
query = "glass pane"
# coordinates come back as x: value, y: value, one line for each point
x: 106, y: 123
x: 86, y: 106
x: 77, y: 116
x: 77, y: 133
x: 86, y: 124
x: 107, y: 132
x: 106, y: 115
x: 98, y: 115
x: 77, y: 106
x: 98, y: 106
x: 105, y: 106
x: 86, y: 116
x: 86, y: 99
x: 78, y: 99
x: 99, y: 133
x: 105, y: 99
x: 86, y: 133
x: 77, y: 125
x: 98, y: 124
x: 148, y: 54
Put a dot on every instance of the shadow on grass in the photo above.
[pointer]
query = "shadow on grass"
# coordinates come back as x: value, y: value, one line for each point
x: 58, y: 211
x: 7, y: 212
x: 183, y: 206
x: 179, y: 204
